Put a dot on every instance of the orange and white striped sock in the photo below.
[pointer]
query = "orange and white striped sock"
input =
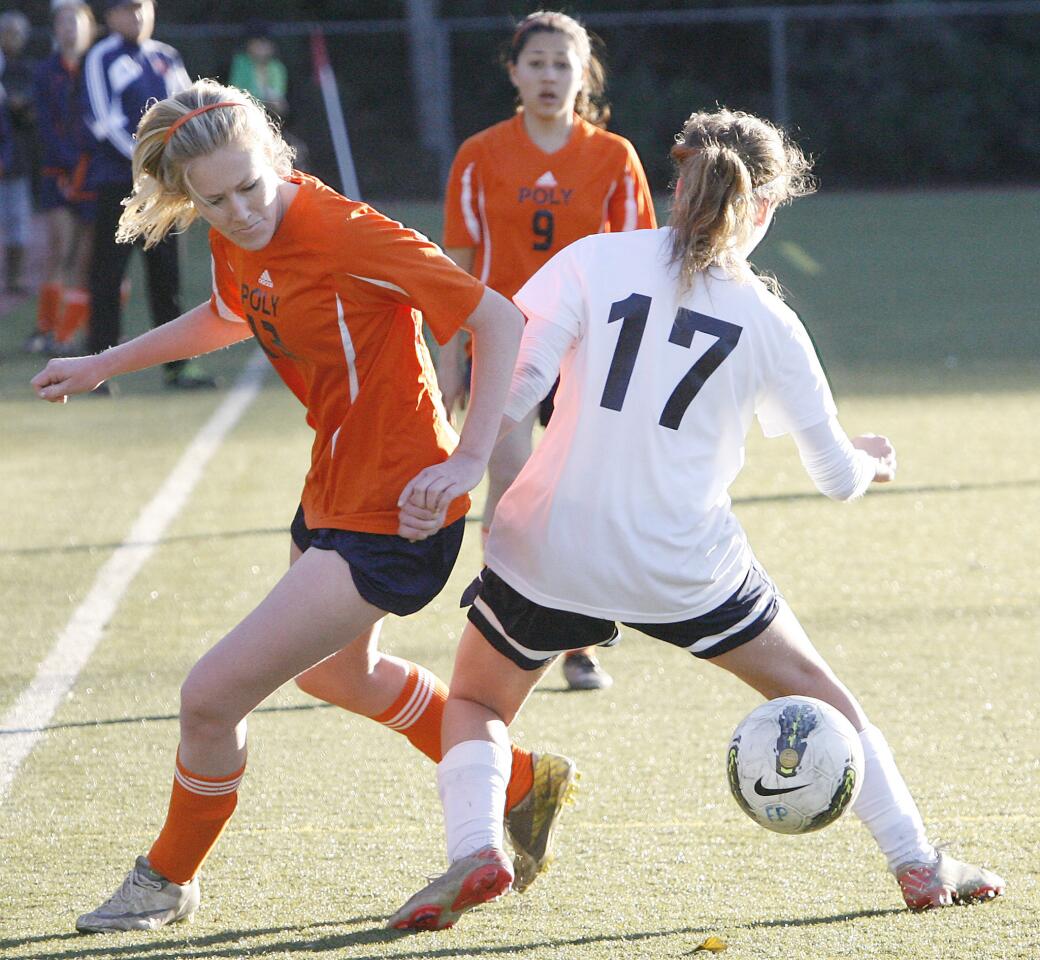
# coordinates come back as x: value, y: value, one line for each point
x: 418, y: 712
x: 75, y: 313
x: 48, y: 307
x: 200, y: 808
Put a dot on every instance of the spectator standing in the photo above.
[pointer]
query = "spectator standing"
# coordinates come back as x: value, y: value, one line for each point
x: 258, y: 71
x: 63, y: 307
x: 16, y: 78
x: 6, y: 140
x: 122, y: 73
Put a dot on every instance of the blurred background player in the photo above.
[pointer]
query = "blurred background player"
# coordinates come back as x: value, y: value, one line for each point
x: 63, y: 307
x: 522, y: 190
x: 122, y: 73
x: 332, y: 291
x: 669, y: 346
x: 16, y: 80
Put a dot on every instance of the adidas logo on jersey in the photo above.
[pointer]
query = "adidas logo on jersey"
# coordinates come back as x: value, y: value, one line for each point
x: 265, y: 279
x: 546, y: 180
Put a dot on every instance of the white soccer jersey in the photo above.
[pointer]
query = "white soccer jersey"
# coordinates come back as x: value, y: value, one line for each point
x: 623, y: 511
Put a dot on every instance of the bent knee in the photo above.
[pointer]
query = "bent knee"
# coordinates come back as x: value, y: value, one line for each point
x: 201, y: 711
x: 339, y: 678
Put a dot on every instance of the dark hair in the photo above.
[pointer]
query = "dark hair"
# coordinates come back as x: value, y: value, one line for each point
x: 591, y: 105
x: 727, y: 162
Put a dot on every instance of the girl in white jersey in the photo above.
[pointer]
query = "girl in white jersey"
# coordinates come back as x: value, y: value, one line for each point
x: 667, y: 346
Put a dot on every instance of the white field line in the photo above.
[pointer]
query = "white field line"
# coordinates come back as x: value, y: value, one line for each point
x: 26, y: 721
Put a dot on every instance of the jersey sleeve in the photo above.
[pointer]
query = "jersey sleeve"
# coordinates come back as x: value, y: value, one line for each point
x: 223, y: 299
x: 795, y: 394
x: 461, y: 200
x: 176, y: 76
x: 631, y: 205
x: 408, y: 269
x: 555, y: 293
x: 103, y: 113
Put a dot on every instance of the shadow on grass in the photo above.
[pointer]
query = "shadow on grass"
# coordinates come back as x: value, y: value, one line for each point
x: 300, y: 939
x: 897, y: 491
x: 154, y: 718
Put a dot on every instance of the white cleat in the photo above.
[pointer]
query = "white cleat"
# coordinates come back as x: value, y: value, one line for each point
x: 145, y: 901
x: 945, y: 882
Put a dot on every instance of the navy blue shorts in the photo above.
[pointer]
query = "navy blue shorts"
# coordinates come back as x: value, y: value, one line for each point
x: 389, y: 572
x: 530, y: 634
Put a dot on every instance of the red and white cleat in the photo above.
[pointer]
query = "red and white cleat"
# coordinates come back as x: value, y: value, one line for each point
x: 945, y: 882
x: 473, y: 880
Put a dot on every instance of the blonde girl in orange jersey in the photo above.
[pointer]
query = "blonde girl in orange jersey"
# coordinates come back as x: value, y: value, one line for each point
x: 331, y: 290
x: 522, y: 190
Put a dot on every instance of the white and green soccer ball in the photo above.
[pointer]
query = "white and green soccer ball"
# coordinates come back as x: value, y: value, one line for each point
x: 795, y: 764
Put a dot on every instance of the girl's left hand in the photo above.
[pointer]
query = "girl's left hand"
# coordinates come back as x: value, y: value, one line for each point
x: 425, y: 500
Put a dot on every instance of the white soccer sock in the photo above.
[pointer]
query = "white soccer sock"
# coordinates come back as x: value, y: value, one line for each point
x: 886, y: 807
x: 471, y: 779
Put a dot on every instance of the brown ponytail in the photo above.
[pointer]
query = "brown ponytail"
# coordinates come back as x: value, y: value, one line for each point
x: 727, y: 162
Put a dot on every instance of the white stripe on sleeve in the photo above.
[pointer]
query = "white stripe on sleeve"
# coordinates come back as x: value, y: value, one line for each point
x: 348, y: 350
x: 631, y: 211
x: 466, y: 201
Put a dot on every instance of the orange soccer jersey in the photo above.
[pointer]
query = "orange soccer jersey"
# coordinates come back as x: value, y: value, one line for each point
x: 334, y: 302
x: 519, y: 205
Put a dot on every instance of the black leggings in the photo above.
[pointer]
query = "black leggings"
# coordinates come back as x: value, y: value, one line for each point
x: 108, y: 267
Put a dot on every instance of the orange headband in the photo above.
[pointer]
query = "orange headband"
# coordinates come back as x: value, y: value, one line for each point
x: 680, y: 153
x: 194, y: 113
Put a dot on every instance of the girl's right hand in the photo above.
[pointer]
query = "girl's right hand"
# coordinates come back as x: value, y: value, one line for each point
x: 881, y: 449
x: 65, y: 376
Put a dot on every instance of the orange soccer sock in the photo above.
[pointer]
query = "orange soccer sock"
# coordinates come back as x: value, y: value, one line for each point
x: 418, y: 712
x: 200, y: 808
x: 48, y: 307
x: 74, y: 315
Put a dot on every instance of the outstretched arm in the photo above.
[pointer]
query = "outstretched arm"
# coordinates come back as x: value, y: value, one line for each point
x: 198, y: 331
x: 841, y: 468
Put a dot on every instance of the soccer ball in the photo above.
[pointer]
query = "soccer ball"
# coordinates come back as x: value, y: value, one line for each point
x: 795, y: 764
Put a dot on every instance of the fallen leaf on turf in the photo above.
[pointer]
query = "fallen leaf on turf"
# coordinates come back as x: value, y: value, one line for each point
x: 711, y: 945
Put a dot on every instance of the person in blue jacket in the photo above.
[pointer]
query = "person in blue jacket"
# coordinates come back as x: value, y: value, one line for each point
x: 122, y: 73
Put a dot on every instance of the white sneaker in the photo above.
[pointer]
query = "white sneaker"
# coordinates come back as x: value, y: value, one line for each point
x: 145, y: 901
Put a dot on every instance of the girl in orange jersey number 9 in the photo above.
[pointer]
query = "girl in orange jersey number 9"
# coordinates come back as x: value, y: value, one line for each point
x: 332, y: 291
x: 524, y: 189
